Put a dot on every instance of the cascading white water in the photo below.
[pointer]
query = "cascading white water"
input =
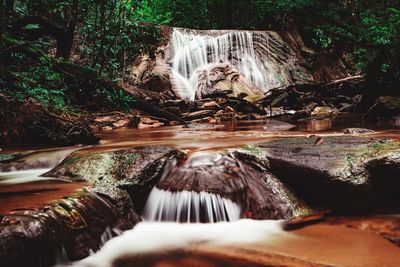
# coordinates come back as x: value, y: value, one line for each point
x: 193, y: 53
x: 189, y: 206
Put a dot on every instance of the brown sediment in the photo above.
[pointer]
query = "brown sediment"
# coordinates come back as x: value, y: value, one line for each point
x: 34, y: 195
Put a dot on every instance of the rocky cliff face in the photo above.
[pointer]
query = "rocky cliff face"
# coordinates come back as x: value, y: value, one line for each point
x: 193, y: 64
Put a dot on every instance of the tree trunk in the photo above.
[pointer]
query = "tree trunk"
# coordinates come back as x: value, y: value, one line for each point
x: 66, y: 40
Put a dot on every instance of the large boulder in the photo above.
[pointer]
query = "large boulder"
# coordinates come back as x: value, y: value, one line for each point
x: 68, y: 228
x: 385, y: 106
x: 121, y: 174
x: 223, y: 78
x: 341, y: 172
x: 241, y: 177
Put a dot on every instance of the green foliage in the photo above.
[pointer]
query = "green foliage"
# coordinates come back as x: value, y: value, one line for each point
x: 40, y: 82
x: 118, y: 99
x: 110, y: 34
x: 321, y: 38
x: 156, y: 11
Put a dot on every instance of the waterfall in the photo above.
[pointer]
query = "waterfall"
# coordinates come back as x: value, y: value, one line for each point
x: 193, y: 53
x: 189, y: 206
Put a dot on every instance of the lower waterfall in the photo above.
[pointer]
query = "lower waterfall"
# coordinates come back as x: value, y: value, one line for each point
x: 189, y: 206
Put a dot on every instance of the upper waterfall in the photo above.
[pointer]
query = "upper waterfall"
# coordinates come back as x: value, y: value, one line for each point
x: 194, y: 52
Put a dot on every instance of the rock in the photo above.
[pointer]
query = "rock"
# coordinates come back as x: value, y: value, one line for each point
x: 322, y: 112
x: 357, y: 131
x: 342, y: 173
x: 146, y: 122
x: 158, y: 79
x: 117, y: 173
x: 229, y: 109
x: 306, y: 111
x: 385, y: 106
x: 242, y: 178
x: 226, y: 79
x: 211, y: 105
x: 120, y: 182
x: 279, y: 100
x: 173, y: 123
x: 275, y: 125
x: 72, y: 226
x: 197, y: 115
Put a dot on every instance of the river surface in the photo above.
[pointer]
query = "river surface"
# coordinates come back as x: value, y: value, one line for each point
x: 22, y: 187
x: 30, y: 162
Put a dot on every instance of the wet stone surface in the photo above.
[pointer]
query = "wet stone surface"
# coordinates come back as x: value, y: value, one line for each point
x: 341, y: 172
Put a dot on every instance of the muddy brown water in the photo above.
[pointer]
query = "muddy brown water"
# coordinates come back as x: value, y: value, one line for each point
x: 27, y: 189
x: 193, y: 138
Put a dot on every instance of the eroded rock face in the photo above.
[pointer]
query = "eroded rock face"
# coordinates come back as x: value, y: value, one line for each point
x: 243, y: 178
x: 341, y: 173
x: 223, y: 78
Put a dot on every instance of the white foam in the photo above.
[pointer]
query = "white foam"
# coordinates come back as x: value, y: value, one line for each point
x: 149, y: 237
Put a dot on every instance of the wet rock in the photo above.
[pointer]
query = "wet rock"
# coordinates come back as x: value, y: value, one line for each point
x: 146, y: 122
x: 141, y: 122
x: 111, y: 120
x: 243, y: 178
x: 66, y: 229
x: 118, y: 174
x: 357, y: 131
x: 198, y: 115
x: 275, y: 125
x: 322, y: 112
x: 385, y: 106
x: 279, y: 100
x: 342, y: 173
x: 120, y: 182
x: 224, y: 78
x: 211, y: 105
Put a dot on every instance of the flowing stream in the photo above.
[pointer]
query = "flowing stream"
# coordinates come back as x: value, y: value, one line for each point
x: 162, y: 229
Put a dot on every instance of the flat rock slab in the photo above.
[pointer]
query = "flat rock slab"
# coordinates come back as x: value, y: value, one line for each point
x: 342, y: 172
x: 117, y: 173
